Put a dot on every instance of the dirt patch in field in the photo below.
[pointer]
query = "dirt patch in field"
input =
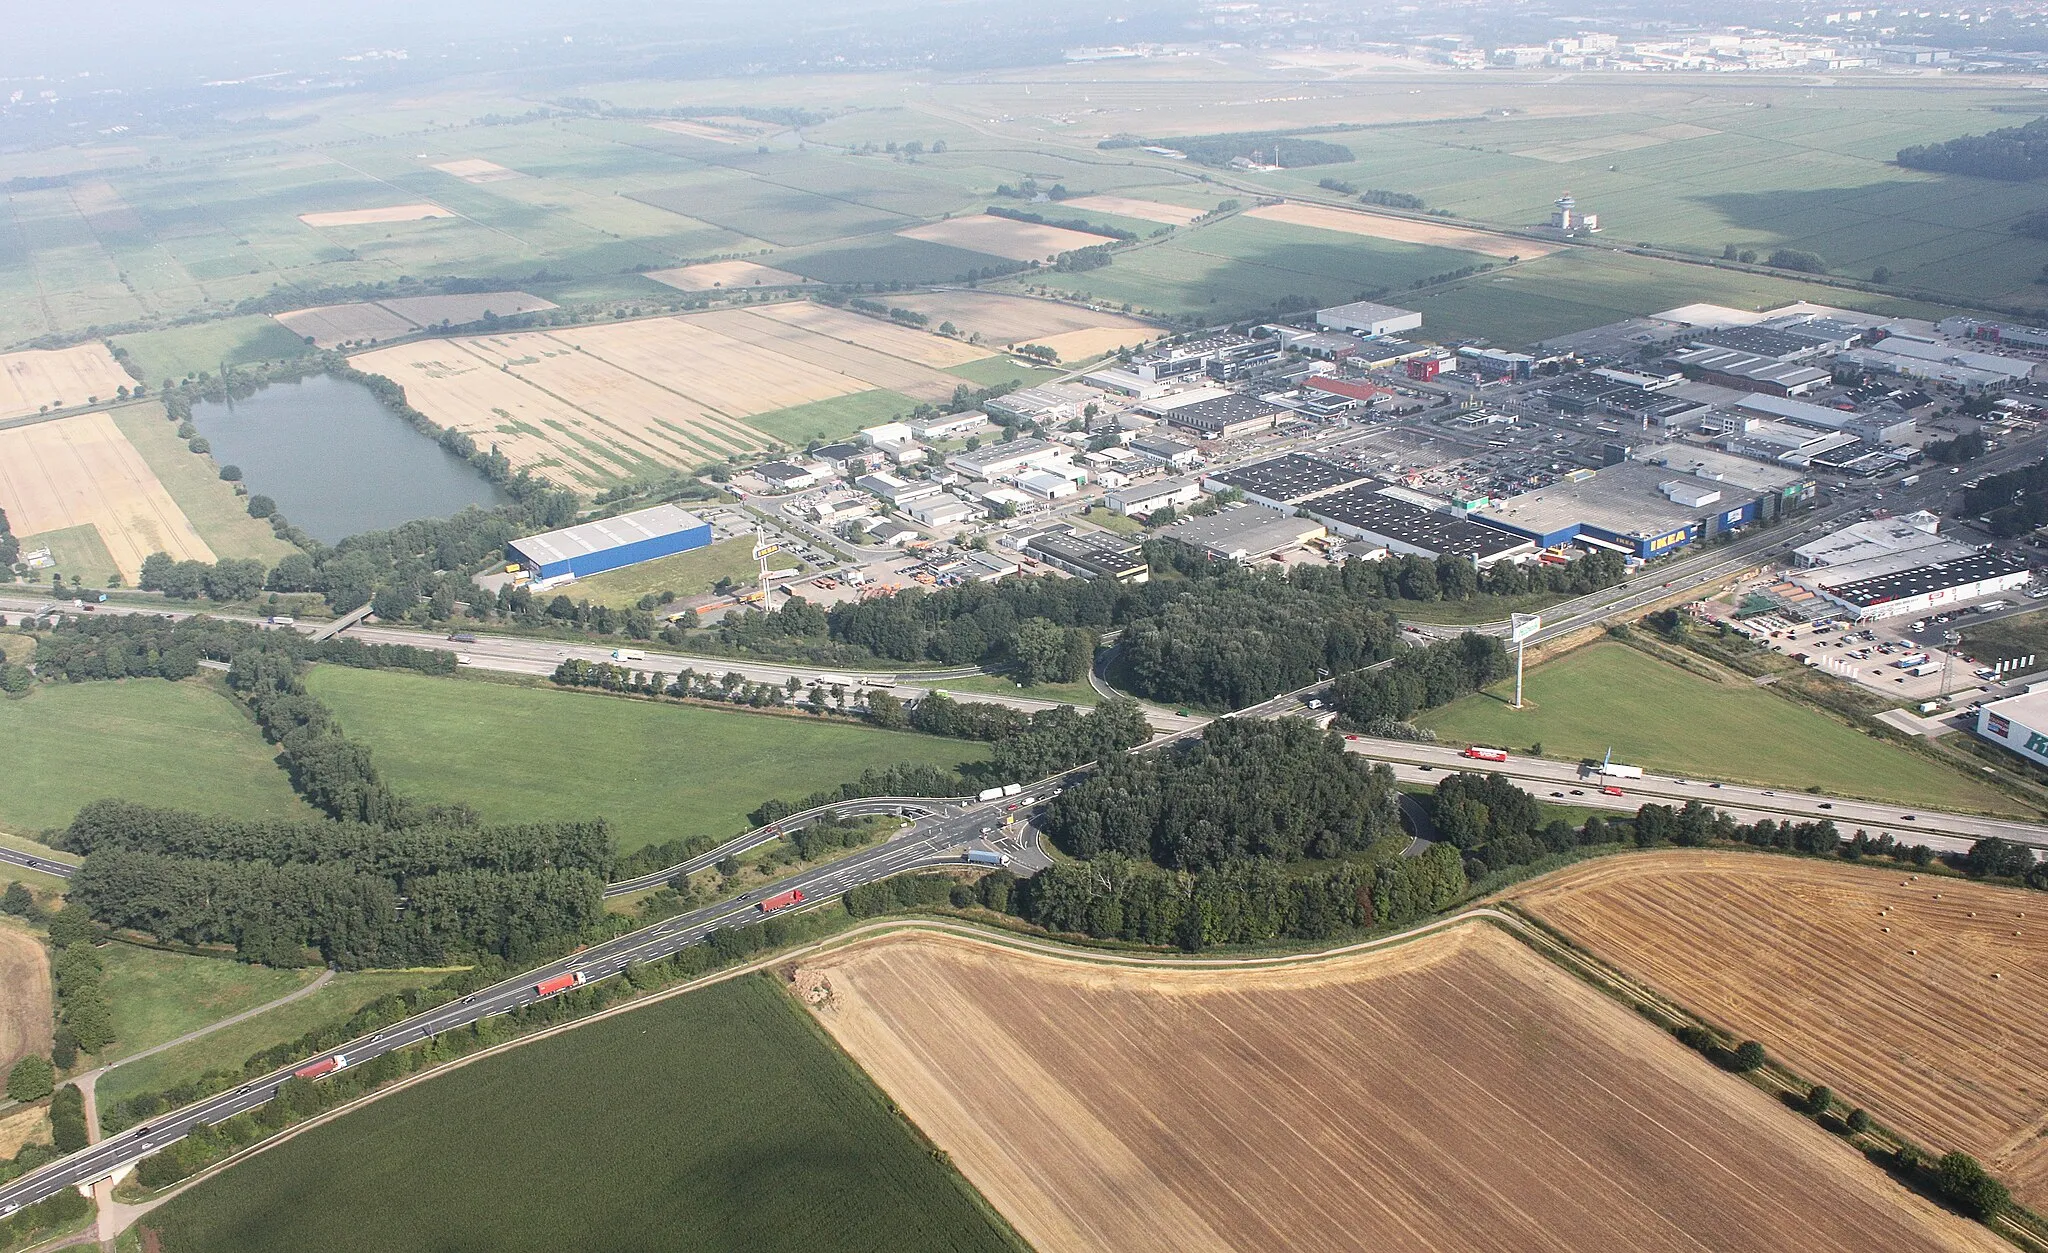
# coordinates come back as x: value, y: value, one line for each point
x: 330, y: 326
x: 1876, y: 982
x: 59, y: 378
x: 1001, y: 319
x: 1402, y: 230
x: 478, y: 170
x: 374, y: 217
x: 25, y: 1023
x: 1456, y: 1092
x: 728, y: 274
x: 1132, y: 207
x: 1001, y: 237
x: 696, y: 130
x: 1081, y: 345
x: 29, y: 1125
x: 81, y: 471
x: 465, y: 307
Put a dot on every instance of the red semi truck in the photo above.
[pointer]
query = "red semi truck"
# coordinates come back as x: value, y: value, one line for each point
x: 782, y: 900
x: 325, y: 1066
x: 1486, y: 754
x: 560, y: 983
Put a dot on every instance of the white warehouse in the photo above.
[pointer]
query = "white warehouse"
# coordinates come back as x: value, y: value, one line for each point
x: 1366, y: 318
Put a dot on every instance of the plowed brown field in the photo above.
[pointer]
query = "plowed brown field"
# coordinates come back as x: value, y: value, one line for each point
x: 1875, y: 982
x: 1453, y: 1093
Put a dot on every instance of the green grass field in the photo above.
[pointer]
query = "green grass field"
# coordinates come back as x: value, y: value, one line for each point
x: 158, y: 996
x: 722, y: 1119
x: 173, y: 353
x: 229, y: 1047
x: 685, y: 574
x: 658, y: 772
x: 1080, y: 694
x: 176, y: 744
x: 1666, y: 719
x: 78, y: 553
x: 2024, y: 635
x: 998, y: 370
x: 217, y: 513
x: 830, y: 419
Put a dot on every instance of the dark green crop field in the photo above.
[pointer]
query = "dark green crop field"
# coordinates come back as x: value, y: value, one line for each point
x: 718, y: 1120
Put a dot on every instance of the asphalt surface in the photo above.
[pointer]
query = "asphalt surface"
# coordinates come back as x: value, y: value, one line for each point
x: 940, y: 840
x: 41, y: 865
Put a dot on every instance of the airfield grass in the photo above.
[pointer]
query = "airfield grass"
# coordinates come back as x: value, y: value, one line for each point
x: 1662, y: 718
x: 686, y: 574
x: 216, y: 512
x: 181, y: 745
x: 833, y: 417
x: 203, y: 347
x: 229, y: 1047
x: 157, y: 996
x: 723, y: 1119
x: 657, y: 771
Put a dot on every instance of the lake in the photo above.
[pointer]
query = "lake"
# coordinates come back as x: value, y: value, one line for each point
x: 336, y: 461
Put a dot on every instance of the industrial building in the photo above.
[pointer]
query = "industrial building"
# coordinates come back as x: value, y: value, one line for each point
x: 1749, y: 372
x: 943, y: 510
x: 1050, y: 404
x: 1368, y: 513
x: 609, y: 543
x: 1669, y: 497
x: 1144, y: 498
x: 1286, y: 481
x: 788, y: 476
x: 1915, y: 358
x: 1089, y: 554
x: 1224, y: 417
x: 1494, y: 364
x: 2019, y: 723
x: 894, y: 490
x: 1245, y: 533
x: 1171, y: 453
x: 1922, y: 588
x: 1880, y: 426
x: 1363, y: 317
x: 1877, y: 537
x: 998, y: 461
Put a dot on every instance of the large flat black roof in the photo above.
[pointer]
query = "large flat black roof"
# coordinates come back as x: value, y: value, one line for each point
x: 1920, y: 580
x: 1291, y: 478
x: 1220, y: 411
x: 1365, y: 508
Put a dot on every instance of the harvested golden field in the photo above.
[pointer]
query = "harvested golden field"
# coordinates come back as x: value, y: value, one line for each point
x: 375, y: 217
x: 1010, y: 320
x: 27, y: 1125
x: 1132, y: 207
x: 713, y: 274
x: 1875, y: 982
x: 58, y: 378
x: 696, y: 131
x: 81, y: 471
x: 588, y: 405
x: 478, y: 170
x: 1001, y: 237
x: 1081, y: 345
x: 1404, y: 230
x: 25, y: 1025
x: 1453, y: 1093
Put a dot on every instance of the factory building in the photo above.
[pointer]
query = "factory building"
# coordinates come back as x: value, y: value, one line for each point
x: 1369, y: 513
x: 1143, y: 498
x: 609, y: 543
x: 2019, y: 723
x: 1285, y: 482
x: 1245, y: 533
x: 1363, y: 317
x: 1749, y: 372
x: 1224, y: 417
x: 1089, y: 554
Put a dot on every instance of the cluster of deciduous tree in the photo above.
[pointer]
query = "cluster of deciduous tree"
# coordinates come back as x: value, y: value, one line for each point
x: 355, y: 893
x: 117, y: 646
x: 1496, y: 824
x: 1241, y: 902
x: 2012, y: 153
x: 1452, y: 578
x: 1420, y: 678
x: 1280, y: 790
x: 333, y: 774
x: 10, y: 550
x: 1070, y: 224
x: 1237, y: 640
x: 1954, y: 452
x: 82, y: 1005
x: 2016, y: 501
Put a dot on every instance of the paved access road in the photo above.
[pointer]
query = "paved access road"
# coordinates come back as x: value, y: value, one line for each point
x: 938, y: 840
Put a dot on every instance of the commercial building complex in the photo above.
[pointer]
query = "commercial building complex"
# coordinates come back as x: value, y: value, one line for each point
x: 1089, y: 554
x: 1671, y: 497
x: 1368, y: 513
x: 2019, y: 723
x: 1245, y: 532
x: 1919, y: 589
x: 1366, y: 318
x: 1284, y: 482
x: 608, y: 543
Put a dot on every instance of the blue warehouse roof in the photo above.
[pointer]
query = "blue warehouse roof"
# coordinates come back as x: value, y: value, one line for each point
x: 604, y: 534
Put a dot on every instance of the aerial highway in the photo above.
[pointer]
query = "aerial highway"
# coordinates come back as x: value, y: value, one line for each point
x: 937, y: 840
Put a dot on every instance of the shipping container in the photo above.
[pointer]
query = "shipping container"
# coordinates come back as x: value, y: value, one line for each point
x: 783, y: 900
x: 985, y: 857
x: 325, y: 1066
x: 560, y: 983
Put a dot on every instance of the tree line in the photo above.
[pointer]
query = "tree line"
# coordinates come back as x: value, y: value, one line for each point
x: 1418, y: 679
x: 2011, y: 153
x: 282, y: 893
x: 117, y: 646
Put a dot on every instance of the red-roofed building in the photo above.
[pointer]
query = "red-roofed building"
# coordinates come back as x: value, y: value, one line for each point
x: 1343, y: 387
